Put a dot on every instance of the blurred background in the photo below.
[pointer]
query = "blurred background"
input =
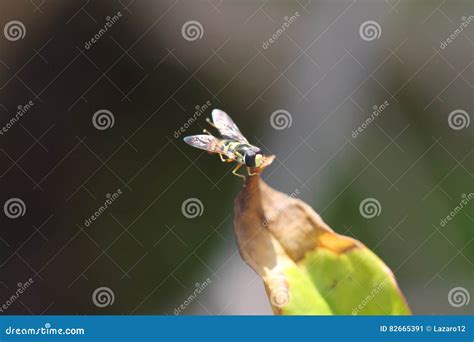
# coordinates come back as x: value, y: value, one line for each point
x: 366, y: 104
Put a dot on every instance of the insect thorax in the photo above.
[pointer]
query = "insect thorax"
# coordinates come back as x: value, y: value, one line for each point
x: 240, y: 150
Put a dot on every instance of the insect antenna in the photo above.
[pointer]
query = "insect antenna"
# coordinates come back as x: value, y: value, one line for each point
x: 211, y: 123
x: 206, y: 131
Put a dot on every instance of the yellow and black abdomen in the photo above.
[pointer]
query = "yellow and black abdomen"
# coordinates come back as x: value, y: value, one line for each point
x: 238, y: 150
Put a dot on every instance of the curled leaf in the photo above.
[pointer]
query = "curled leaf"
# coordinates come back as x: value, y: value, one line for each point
x: 306, y: 267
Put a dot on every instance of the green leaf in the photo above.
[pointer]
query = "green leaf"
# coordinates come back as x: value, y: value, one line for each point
x: 306, y: 267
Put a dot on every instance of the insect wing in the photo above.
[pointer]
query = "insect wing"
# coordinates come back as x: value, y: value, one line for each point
x: 206, y: 142
x: 227, y: 128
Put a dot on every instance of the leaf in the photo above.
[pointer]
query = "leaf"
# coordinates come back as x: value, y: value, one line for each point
x: 306, y: 267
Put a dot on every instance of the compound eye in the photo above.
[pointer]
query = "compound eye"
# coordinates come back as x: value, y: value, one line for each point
x: 250, y: 159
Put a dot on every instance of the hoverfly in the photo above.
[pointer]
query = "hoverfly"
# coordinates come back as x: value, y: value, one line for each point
x: 233, y: 147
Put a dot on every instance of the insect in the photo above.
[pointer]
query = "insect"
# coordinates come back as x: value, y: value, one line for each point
x: 233, y: 147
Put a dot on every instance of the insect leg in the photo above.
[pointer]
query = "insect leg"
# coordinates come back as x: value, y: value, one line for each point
x: 250, y: 173
x: 234, y: 171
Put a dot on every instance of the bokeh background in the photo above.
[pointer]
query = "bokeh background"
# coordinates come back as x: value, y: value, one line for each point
x: 321, y: 75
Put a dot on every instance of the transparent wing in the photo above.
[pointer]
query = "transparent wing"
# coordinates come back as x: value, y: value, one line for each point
x: 208, y: 143
x: 227, y: 128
